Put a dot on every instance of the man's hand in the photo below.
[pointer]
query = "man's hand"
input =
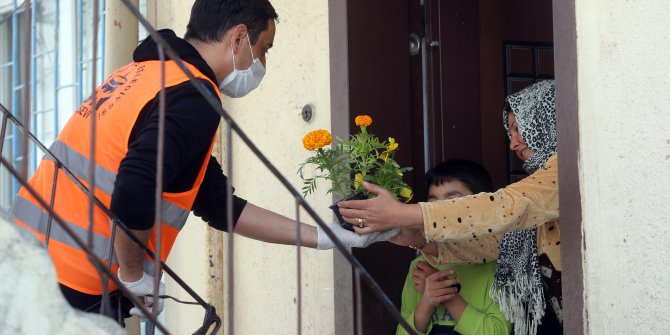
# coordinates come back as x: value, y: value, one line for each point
x: 143, y: 289
x: 380, y: 213
x: 420, y: 274
x: 349, y: 238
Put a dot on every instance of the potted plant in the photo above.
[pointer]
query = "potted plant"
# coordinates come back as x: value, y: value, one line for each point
x: 348, y: 163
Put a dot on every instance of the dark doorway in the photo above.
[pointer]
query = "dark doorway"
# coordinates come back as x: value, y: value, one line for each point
x: 460, y: 68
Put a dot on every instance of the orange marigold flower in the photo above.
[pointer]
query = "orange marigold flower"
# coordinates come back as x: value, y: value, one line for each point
x: 363, y: 120
x: 317, y: 139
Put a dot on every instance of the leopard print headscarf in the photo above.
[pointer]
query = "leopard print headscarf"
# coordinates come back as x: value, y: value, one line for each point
x: 518, y: 285
x: 535, y: 111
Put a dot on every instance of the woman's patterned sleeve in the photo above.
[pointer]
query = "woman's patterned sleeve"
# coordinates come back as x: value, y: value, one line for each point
x: 528, y: 203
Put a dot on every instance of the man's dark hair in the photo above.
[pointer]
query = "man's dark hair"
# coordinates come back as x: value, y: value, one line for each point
x: 473, y: 175
x: 211, y: 19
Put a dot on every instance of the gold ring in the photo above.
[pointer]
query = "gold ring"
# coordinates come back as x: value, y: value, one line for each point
x: 360, y: 223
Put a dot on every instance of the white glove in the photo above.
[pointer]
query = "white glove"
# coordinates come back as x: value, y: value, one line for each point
x: 144, y: 289
x: 349, y: 238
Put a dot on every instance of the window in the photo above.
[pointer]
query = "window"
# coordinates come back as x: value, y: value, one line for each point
x: 525, y: 63
x: 61, y: 52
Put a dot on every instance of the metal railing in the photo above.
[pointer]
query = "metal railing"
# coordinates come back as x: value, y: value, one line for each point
x: 103, y: 267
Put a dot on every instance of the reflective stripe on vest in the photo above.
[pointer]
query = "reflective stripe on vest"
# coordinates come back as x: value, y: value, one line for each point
x: 172, y: 215
x: 37, y: 218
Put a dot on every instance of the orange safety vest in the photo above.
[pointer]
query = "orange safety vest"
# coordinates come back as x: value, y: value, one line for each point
x: 119, y: 102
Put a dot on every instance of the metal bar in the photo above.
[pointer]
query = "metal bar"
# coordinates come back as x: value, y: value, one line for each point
x: 3, y: 138
x: 80, y: 42
x: 104, y: 31
x: 60, y: 87
x: 230, y: 248
x: 359, y: 302
x: 105, y: 304
x: 33, y: 80
x: 110, y: 259
x: 94, y: 117
x: 2, y: 133
x: 15, y: 81
x: 51, y: 205
x: 159, y: 184
x: 27, y: 67
x: 298, y: 243
x: 56, y: 66
x: 43, y: 53
x: 104, y: 307
x: 42, y: 111
x: 425, y: 40
x: 84, y: 246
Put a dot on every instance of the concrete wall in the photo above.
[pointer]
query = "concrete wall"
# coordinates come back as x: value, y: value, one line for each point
x: 623, y: 62
x: 120, y: 35
x: 265, y: 275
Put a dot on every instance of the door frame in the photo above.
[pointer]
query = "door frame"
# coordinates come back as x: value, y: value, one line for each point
x: 343, y: 287
x: 567, y: 114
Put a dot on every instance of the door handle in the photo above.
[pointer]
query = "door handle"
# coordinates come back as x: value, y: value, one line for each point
x: 414, y: 44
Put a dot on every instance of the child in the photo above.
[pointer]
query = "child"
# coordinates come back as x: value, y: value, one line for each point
x: 432, y: 302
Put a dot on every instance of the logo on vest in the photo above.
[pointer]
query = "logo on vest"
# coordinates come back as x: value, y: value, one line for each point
x: 110, y: 91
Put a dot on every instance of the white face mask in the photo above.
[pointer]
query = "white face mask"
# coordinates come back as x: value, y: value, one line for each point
x: 240, y: 82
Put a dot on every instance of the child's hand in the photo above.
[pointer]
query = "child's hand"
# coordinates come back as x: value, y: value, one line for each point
x: 439, y: 288
x: 422, y: 271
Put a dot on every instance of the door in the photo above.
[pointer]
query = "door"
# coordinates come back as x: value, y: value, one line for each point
x: 381, y: 73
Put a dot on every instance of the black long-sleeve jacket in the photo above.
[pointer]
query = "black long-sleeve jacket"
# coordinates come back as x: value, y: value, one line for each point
x: 190, y: 124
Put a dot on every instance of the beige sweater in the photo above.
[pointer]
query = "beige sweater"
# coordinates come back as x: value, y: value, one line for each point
x: 468, y: 229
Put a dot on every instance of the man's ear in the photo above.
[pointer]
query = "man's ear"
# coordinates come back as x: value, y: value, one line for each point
x: 237, y: 36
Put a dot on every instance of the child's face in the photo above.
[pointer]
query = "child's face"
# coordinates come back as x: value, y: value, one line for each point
x: 448, y: 190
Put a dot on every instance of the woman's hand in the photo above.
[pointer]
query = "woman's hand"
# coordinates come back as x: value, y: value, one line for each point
x: 409, y: 237
x: 380, y: 213
x: 422, y: 271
